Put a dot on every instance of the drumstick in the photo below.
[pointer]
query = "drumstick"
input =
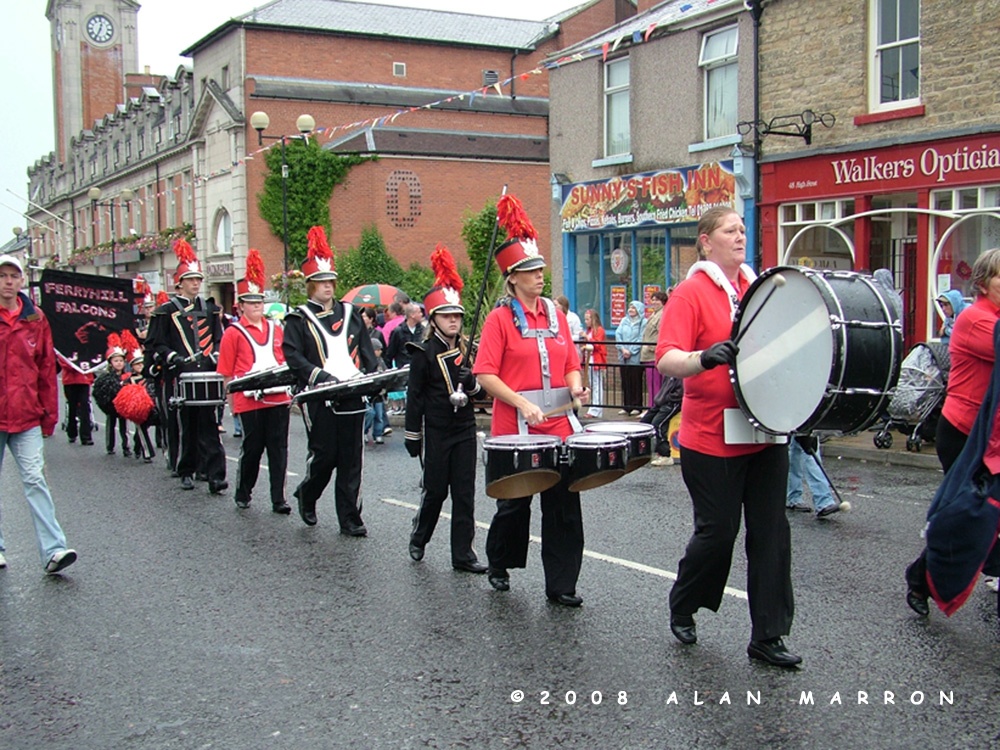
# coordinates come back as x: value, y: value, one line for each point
x: 779, y: 281
x: 574, y: 404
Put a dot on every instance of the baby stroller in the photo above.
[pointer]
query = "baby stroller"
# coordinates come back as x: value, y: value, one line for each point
x: 916, y: 404
x: 665, y: 405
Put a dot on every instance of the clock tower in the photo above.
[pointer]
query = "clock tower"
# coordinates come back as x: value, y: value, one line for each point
x: 94, y: 44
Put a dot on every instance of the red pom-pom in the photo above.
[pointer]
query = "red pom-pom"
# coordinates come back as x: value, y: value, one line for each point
x: 133, y: 403
x: 184, y: 252
x: 445, y: 271
x: 318, y: 246
x: 511, y: 216
x: 255, y: 269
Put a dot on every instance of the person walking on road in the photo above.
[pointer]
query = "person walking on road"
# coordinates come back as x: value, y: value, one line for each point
x: 29, y: 409
x: 803, y: 463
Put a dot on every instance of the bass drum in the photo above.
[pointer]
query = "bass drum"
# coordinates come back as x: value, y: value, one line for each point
x: 823, y: 353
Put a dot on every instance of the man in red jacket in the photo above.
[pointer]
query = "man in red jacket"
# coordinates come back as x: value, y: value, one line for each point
x: 29, y: 407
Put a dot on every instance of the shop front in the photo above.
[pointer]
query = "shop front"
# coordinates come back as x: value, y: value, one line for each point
x: 924, y: 210
x: 629, y: 236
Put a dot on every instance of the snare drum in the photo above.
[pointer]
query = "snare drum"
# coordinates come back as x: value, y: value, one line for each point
x: 200, y: 389
x: 595, y: 460
x: 639, y: 436
x: 520, y: 465
x: 823, y: 353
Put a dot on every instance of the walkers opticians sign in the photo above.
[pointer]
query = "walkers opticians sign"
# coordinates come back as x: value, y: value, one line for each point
x: 669, y: 196
x: 941, y: 164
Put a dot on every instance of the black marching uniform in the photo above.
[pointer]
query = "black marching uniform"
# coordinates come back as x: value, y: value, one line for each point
x: 193, y: 441
x: 334, y: 429
x: 449, y: 439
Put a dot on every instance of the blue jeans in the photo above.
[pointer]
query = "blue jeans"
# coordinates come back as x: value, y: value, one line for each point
x: 26, y: 447
x: 375, y: 419
x: 799, y: 460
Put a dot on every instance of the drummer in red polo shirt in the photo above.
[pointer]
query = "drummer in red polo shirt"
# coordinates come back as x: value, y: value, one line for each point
x: 526, y: 359
x: 251, y: 345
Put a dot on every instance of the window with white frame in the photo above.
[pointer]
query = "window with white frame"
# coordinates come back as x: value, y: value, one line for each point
x: 617, y: 136
x: 718, y: 61
x: 895, y: 59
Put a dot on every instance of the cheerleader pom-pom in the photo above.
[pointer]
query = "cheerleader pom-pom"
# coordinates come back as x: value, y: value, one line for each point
x: 845, y: 506
x: 133, y: 403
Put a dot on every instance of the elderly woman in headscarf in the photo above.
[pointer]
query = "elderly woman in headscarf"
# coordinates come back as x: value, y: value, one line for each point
x: 628, y: 337
x: 952, y: 303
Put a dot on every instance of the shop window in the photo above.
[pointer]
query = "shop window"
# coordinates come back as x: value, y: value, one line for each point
x: 895, y: 60
x: 617, y: 135
x: 718, y: 61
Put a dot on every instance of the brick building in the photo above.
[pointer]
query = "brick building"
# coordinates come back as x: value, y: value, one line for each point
x: 908, y: 176
x: 181, y: 147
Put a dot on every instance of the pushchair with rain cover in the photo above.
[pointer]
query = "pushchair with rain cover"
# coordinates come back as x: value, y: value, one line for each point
x: 666, y: 404
x: 916, y: 403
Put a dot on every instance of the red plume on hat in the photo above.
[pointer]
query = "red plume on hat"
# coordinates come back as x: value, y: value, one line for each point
x: 133, y: 350
x: 251, y: 287
x: 319, y: 265
x: 520, y: 251
x: 162, y: 298
x: 445, y: 295
x: 115, y: 348
x: 187, y: 263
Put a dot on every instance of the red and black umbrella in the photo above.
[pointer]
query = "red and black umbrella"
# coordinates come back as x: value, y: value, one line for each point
x: 368, y: 295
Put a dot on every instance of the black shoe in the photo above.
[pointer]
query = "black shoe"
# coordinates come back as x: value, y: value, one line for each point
x: 470, y: 566
x: 773, y: 651
x: 127, y: 453
x: 201, y: 476
x: 244, y: 504
x: 174, y: 473
x: 499, y: 579
x: 684, y: 629
x: 829, y: 510
x: 86, y: 442
x: 918, y: 602
x: 187, y: 483
x: 354, y: 529
x: 566, y: 600
x: 147, y: 459
x: 282, y: 508
x: 72, y: 440
x: 216, y: 488
x: 416, y: 552
x: 111, y: 451
x: 308, y: 515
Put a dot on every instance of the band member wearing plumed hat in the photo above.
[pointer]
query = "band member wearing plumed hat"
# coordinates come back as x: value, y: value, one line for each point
x: 440, y: 417
x: 106, y: 387
x: 528, y: 362
x: 184, y: 336
x: 135, y: 402
x: 252, y: 345
x: 325, y: 341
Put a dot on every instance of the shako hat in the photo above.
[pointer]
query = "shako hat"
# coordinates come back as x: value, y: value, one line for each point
x: 445, y: 295
x: 115, y: 348
x: 133, y: 351
x: 520, y: 251
x: 188, y: 266
x: 251, y: 287
x: 319, y: 265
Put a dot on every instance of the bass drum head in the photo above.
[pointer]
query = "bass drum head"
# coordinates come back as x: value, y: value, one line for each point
x: 787, y: 353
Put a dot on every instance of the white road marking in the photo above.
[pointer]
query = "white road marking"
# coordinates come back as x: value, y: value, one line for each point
x: 641, y: 567
x: 263, y: 466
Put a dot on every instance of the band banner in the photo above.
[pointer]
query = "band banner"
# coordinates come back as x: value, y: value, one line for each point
x: 83, y: 310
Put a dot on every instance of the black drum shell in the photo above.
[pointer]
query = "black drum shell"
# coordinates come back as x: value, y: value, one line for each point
x: 520, y: 465
x: 594, y: 460
x: 639, y: 435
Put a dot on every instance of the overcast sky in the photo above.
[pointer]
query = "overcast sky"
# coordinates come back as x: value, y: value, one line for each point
x: 165, y: 28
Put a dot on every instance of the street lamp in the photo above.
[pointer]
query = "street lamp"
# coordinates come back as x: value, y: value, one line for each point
x: 305, y: 125
x: 125, y: 198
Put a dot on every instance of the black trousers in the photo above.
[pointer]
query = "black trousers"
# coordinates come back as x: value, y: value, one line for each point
x: 200, y: 443
x: 562, y: 537
x: 263, y: 429
x: 334, y: 442
x: 141, y: 443
x: 449, y: 463
x: 78, y: 411
x: 949, y: 442
x: 171, y: 418
x: 632, y: 379
x: 110, y: 423
x: 721, y: 490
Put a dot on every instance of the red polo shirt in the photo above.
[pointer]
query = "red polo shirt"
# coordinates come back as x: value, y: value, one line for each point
x: 972, y: 355
x: 236, y: 358
x: 504, y: 352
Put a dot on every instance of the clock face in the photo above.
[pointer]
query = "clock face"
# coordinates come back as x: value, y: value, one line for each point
x: 100, y: 29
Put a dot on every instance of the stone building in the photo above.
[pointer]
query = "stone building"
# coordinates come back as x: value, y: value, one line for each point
x: 177, y: 155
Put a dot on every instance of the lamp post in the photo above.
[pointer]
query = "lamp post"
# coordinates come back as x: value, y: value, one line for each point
x: 125, y: 198
x: 305, y: 124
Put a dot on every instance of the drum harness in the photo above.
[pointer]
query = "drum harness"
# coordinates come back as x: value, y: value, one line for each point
x: 333, y: 349
x: 547, y: 397
x: 263, y: 359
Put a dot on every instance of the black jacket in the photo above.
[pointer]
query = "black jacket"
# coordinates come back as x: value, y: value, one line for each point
x: 173, y: 334
x: 397, y: 353
x: 434, y: 376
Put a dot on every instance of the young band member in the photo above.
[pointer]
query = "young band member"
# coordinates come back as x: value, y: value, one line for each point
x: 528, y: 362
x: 440, y: 415
x: 184, y: 335
x: 140, y: 409
x: 253, y: 344
x: 106, y: 387
x: 325, y: 341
